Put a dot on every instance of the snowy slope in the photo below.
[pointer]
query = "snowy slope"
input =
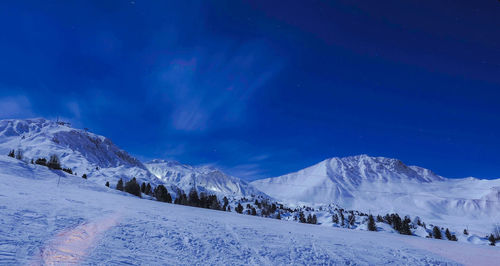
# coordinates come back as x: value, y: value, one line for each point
x: 79, y: 222
x: 205, y: 178
x: 381, y: 185
x: 82, y: 151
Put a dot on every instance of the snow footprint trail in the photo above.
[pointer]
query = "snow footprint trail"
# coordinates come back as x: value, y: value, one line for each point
x: 69, y: 247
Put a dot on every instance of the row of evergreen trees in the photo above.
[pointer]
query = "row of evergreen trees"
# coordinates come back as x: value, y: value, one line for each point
x: 311, y: 219
x: 161, y: 194
x: 201, y: 200
x: 402, y: 226
x: 131, y: 187
x: 340, y: 219
x: 53, y: 163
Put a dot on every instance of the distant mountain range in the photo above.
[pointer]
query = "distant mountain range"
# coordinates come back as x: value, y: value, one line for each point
x: 204, y: 178
x: 381, y: 185
x: 99, y: 158
x: 371, y: 184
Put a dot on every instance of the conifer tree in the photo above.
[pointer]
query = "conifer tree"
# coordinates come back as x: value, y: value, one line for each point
x: 193, y: 198
x: 12, y: 154
x: 405, y: 227
x: 342, y: 223
x: 161, y: 194
x: 68, y: 170
x: 133, y: 187
x: 302, y: 218
x: 371, y: 223
x: 396, y: 222
x: 213, y: 203
x: 436, y: 232
x: 54, y: 162
x: 143, y: 187
x: 492, y: 240
x: 148, y: 189
x: 84, y: 176
x: 448, y: 234
x: 254, y: 211
x: 278, y: 216
x: 239, y: 208
x: 314, y: 219
x: 119, y: 185
x: 107, y: 183
x: 41, y: 161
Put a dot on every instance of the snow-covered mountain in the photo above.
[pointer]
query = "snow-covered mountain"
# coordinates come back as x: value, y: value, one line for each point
x: 96, y: 156
x: 205, y: 178
x: 82, y: 151
x: 43, y: 222
x: 381, y: 185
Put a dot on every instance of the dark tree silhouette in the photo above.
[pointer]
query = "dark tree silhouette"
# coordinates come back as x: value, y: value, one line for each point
x: 162, y: 194
x: 119, y: 185
x: 447, y: 234
x: 193, y: 198
x: 405, y: 227
x: 239, y: 208
x: 436, y: 232
x: 132, y: 187
x: 54, y: 162
x: 371, y: 223
x: 302, y: 218
x: 492, y: 240
x: 41, y: 161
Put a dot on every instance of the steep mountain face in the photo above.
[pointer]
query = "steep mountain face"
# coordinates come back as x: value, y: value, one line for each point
x: 101, y: 160
x: 82, y: 151
x: 382, y: 185
x: 205, y: 178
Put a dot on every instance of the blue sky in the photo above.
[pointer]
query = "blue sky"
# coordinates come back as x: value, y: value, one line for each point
x: 263, y: 88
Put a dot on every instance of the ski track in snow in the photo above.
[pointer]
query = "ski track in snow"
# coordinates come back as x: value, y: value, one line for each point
x: 70, y: 246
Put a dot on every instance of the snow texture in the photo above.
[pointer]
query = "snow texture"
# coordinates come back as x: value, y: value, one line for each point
x: 382, y: 185
x: 49, y: 217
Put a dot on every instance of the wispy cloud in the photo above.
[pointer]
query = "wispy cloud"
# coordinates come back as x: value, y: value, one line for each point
x: 16, y: 107
x: 211, y: 87
x: 249, y: 172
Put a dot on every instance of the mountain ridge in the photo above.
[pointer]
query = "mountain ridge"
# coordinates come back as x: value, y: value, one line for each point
x: 101, y: 160
x: 384, y: 185
x: 204, y: 178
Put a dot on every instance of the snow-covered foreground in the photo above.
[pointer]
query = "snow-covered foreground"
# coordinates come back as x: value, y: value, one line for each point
x: 77, y: 221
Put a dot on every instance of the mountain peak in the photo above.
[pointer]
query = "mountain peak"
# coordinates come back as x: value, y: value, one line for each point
x: 82, y: 151
x: 206, y: 178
